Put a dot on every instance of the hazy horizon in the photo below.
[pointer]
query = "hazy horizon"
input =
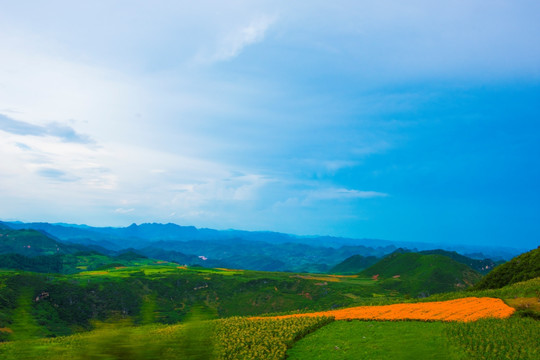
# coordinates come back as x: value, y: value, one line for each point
x: 409, y: 122
x: 462, y: 248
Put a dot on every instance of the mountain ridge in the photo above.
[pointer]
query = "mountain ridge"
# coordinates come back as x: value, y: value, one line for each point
x: 135, y: 235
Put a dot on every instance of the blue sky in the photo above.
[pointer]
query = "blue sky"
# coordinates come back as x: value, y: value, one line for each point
x: 414, y: 121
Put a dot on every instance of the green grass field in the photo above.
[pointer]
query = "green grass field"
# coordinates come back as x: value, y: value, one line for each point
x: 489, y: 339
x: 377, y: 340
x: 493, y: 339
x: 297, y: 338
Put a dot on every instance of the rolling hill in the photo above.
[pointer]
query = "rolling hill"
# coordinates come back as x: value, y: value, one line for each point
x: 31, y: 242
x: 31, y: 250
x: 421, y: 275
x: 483, y: 266
x: 265, y: 251
x: 523, y: 267
x: 353, y: 264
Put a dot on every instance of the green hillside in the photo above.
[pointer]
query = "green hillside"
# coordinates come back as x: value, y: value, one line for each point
x: 421, y: 275
x: 33, y: 243
x: 70, y: 302
x: 164, y: 292
x: 294, y: 338
x: 483, y: 266
x: 42, y: 263
x: 523, y: 267
x: 31, y: 250
x: 353, y: 264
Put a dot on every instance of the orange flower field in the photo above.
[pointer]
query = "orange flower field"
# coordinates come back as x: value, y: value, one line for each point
x: 466, y: 309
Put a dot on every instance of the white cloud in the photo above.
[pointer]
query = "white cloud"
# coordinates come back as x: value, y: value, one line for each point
x: 335, y: 165
x: 123, y: 211
x: 232, y: 43
x: 342, y: 193
x: 243, y: 188
x: 61, y: 131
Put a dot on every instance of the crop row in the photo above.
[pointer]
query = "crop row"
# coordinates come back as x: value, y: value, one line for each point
x: 242, y: 338
x: 496, y: 339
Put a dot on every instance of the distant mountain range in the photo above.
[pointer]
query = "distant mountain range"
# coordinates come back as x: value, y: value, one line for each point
x: 144, y: 235
x: 267, y: 251
x: 206, y: 247
x: 418, y: 273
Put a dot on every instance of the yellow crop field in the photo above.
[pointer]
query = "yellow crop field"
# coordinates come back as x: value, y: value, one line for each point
x: 466, y: 309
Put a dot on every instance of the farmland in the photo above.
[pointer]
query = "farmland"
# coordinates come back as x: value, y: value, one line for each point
x: 128, y: 306
x: 490, y: 339
x: 465, y: 310
x: 297, y: 337
x: 377, y: 340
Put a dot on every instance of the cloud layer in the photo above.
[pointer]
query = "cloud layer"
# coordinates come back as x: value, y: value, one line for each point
x: 63, y: 132
x: 351, y: 118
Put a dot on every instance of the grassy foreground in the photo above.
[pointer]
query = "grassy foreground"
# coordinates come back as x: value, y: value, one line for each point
x: 487, y: 339
x: 293, y: 338
x: 297, y: 337
x: 228, y: 339
x: 377, y: 340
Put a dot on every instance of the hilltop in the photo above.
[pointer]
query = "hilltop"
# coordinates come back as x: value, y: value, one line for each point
x: 357, y: 263
x: 483, y: 266
x: 32, y: 250
x: 421, y: 275
x: 353, y: 264
x: 30, y: 242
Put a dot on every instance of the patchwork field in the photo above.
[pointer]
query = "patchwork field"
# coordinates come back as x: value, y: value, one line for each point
x: 306, y: 337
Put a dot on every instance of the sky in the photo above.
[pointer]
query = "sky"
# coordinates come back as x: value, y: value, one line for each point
x: 404, y: 121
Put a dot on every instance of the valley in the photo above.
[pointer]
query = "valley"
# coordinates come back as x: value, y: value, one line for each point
x: 63, y: 298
